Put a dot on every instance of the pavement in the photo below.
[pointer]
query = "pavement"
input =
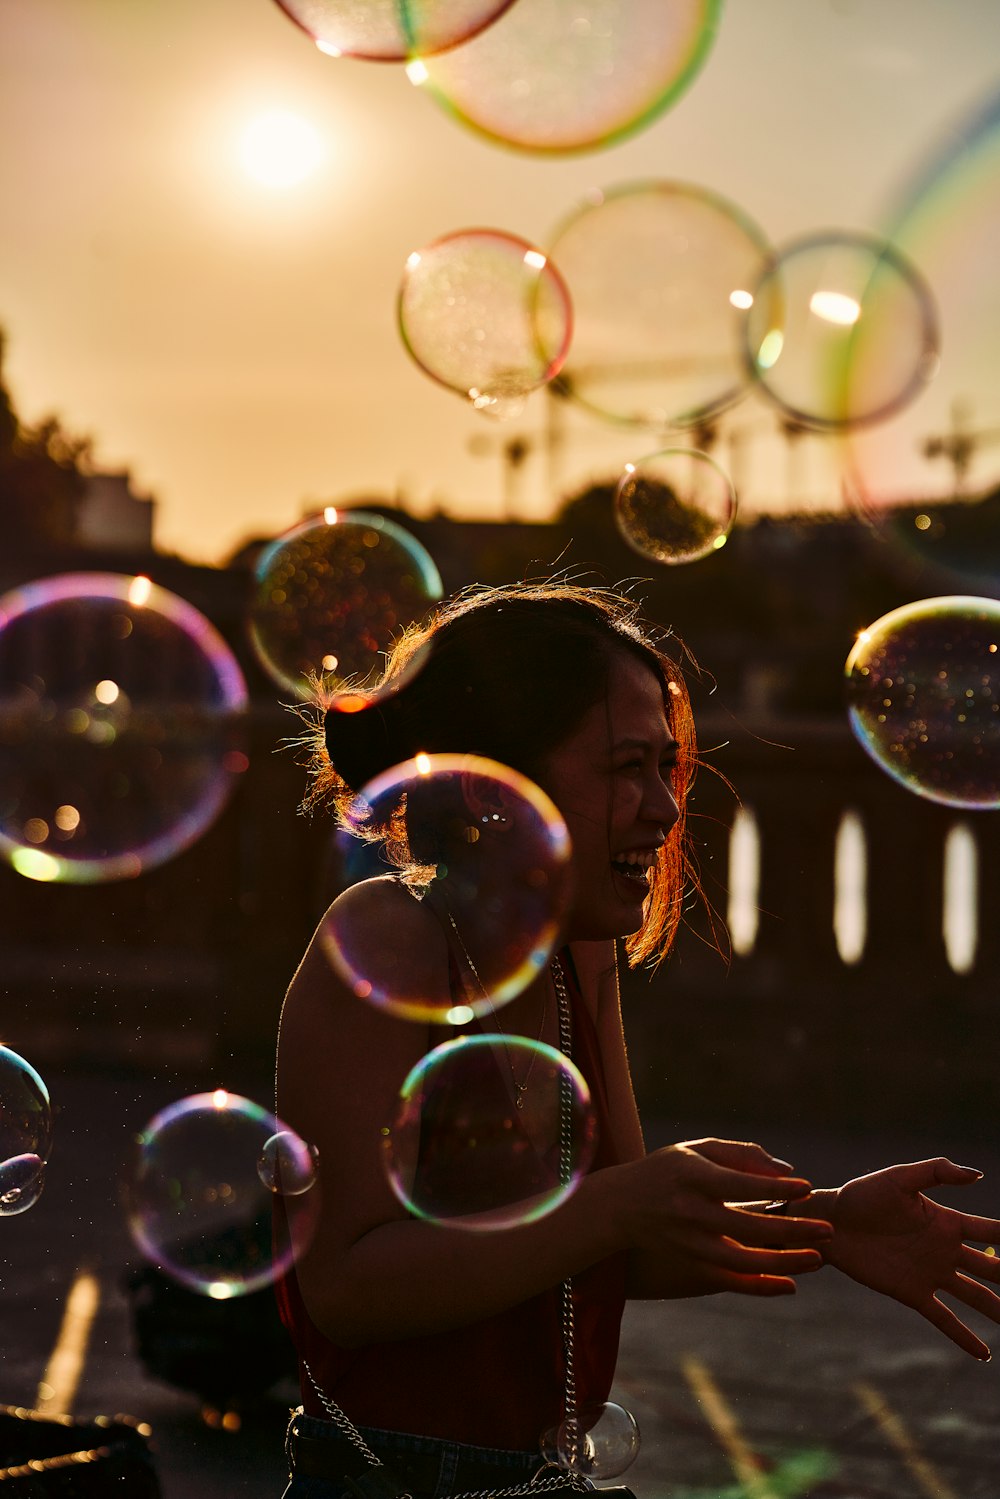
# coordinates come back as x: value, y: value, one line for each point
x: 835, y: 1393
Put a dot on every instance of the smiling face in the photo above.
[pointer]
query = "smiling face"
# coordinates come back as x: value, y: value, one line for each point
x: 611, y: 780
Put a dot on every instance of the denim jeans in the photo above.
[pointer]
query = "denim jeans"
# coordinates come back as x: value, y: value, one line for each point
x: 449, y: 1467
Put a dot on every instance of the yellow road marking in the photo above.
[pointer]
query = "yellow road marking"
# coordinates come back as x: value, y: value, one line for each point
x: 57, y: 1387
x: 922, y: 1471
x: 742, y: 1459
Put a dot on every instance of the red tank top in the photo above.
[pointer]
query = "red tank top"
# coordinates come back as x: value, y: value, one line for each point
x: 495, y: 1383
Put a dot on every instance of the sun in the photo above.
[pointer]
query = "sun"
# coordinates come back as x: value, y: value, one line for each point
x: 279, y: 149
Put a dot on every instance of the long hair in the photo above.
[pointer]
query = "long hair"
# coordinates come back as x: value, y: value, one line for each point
x: 507, y: 673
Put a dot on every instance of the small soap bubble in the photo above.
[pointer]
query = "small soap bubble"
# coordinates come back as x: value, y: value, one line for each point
x: 331, y: 595
x: 488, y: 861
x: 675, y: 506
x: 923, y: 695
x: 658, y: 273
x: 842, y: 331
x: 25, y: 1124
x: 602, y: 1443
x: 22, y: 1178
x: 198, y: 1205
x: 487, y: 315
x: 475, y: 1141
x: 391, y: 30
x: 122, y: 721
x: 552, y: 77
x: 287, y: 1165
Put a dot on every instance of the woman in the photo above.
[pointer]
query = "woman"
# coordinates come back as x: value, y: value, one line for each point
x: 444, y: 1345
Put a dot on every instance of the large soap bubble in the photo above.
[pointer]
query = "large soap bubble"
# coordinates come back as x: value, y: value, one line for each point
x: 553, y: 77
x: 331, y: 594
x: 200, y: 1189
x: 923, y: 693
x: 602, y: 1442
x: 485, y: 314
x: 659, y: 273
x: 122, y: 716
x: 842, y: 331
x: 475, y: 1141
x: 25, y: 1133
x: 489, y: 859
x: 391, y: 30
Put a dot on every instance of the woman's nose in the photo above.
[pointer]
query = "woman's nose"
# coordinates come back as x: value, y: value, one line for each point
x: 661, y: 804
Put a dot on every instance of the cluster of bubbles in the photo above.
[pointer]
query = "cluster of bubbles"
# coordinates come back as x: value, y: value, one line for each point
x: 200, y: 1194
x: 331, y: 594
x: 25, y: 1133
x: 121, y: 726
x: 923, y: 692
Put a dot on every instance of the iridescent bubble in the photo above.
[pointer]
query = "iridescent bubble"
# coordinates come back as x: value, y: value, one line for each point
x: 488, y: 886
x: 22, y: 1178
x: 487, y: 315
x: 25, y: 1116
x: 391, y: 30
x: 122, y: 714
x: 601, y: 1443
x: 675, y: 506
x: 923, y: 694
x: 553, y: 77
x: 842, y: 331
x: 475, y: 1141
x: 197, y: 1205
x: 331, y: 594
x: 659, y: 273
x: 907, y: 474
x: 287, y: 1165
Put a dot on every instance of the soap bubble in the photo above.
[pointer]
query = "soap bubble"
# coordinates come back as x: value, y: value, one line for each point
x: 476, y: 1137
x: 659, y: 273
x: 198, y: 1204
x: 485, y: 314
x: 842, y: 331
x: 287, y: 1165
x: 601, y: 1443
x: 675, y: 506
x: 391, y: 30
x: 332, y: 593
x: 907, y: 474
x: 923, y: 693
x: 22, y: 1178
x: 553, y: 77
x: 121, y: 726
x: 493, y: 888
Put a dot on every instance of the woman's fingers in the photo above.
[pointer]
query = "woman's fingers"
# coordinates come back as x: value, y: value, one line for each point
x: 954, y: 1328
x: 975, y: 1262
x: 980, y: 1298
x: 740, y: 1155
x: 775, y: 1228
x: 726, y: 1252
x: 744, y: 1186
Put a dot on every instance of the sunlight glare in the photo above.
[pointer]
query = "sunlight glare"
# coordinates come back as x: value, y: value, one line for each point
x: 279, y: 149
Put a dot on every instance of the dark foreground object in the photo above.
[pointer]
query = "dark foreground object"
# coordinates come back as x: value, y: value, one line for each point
x: 57, y: 1456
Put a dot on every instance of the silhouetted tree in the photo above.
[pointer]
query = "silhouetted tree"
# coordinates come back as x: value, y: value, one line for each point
x: 42, y: 473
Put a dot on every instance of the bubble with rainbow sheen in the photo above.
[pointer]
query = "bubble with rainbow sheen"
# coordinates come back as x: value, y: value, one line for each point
x: 842, y: 331
x: 331, y: 595
x: 675, y: 506
x: 659, y: 274
x: 475, y: 1140
x: 486, y: 859
x: 25, y: 1133
x: 391, y: 30
x: 923, y: 695
x: 553, y: 78
x: 929, y: 478
x: 602, y: 1442
x: 486, y: 314
x: 200, y: 1189
x: 122, y: 726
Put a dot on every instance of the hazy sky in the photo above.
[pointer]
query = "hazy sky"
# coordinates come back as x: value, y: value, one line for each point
x: 235, y: 345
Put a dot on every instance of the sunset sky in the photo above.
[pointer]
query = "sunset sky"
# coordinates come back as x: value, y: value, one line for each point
x: 233, y: 342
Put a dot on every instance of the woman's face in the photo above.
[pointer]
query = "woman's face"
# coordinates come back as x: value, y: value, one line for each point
x: 611, y: 780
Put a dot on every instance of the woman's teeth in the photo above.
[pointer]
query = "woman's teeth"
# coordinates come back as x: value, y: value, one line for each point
x: 635, y: 864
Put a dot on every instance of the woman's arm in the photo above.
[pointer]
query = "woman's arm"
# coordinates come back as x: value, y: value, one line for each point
x: 372, y: 1272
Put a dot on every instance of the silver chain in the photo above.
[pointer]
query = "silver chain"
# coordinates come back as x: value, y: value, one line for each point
x: 571, y: 1421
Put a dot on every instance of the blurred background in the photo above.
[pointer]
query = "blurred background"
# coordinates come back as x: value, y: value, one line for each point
x: 202, y: 280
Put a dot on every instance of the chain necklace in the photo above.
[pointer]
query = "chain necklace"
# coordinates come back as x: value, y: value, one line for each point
x: 520, y: 1088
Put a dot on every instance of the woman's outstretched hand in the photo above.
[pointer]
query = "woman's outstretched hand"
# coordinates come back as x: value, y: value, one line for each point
x: 691, y: 1236
x: 888, y: 1235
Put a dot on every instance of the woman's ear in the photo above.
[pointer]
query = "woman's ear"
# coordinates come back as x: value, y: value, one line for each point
x: 492, y: 804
